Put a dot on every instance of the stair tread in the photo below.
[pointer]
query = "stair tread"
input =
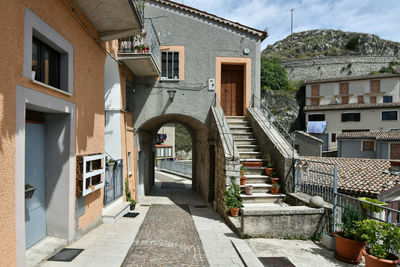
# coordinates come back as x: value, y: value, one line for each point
x: 257, y: 195
x: 250, y: 152
x: 252, y: 160
x: 256, y: 176
x: 257, y: 185
x: 264, y: 205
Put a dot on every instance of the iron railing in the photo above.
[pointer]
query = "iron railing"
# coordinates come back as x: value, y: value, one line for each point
x: 224, y: 126
x: 183, y: 167
x: 142, y: 44
x: 114, y: 182
x: 321, y: 179
x: 273, y: 122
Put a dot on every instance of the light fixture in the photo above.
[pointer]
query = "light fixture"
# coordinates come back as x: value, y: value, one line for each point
x: 171, y: 94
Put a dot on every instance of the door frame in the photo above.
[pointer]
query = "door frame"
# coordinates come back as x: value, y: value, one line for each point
x: 31, y: 99
x: 247, y: 89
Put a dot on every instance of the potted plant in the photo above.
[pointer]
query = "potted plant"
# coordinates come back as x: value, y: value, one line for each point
x: 372, y: 207
x: 253, y: 164
x: 349, y: 242
x: 248, y: 189
x: 132, y: 203
x: 382, y: 239
x: 110, y: 165
x: 275, y: 189
x: 274, y: 177
x: 128, y: 196
x: 147, y: 49
x: 232, y: 198
x: 270, y: 164
x: 29, y: 190
x: 242, y: 177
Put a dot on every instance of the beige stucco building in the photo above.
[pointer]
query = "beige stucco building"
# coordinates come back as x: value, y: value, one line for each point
x: 368, y: 103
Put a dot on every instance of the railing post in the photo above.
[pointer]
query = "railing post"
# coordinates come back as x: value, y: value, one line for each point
x: 296, y: 173
x: 335, y: 176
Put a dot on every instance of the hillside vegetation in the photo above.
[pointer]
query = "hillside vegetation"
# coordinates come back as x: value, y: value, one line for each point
x: 323, y: 42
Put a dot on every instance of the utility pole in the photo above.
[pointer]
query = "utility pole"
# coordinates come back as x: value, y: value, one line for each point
x: 291, y: 24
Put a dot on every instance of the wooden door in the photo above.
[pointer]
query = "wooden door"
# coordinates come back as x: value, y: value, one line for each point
x: 394, y: 151
x: 232, y: 92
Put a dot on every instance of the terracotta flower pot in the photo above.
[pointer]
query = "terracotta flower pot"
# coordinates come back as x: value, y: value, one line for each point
x: 234, y: 212
x: 372, y: 261
x: 243, y: 180
x: 274, y: 190
x: 252, y: 163
x: 268, y: 171
x: 348, y: 250
x: 274, y: 180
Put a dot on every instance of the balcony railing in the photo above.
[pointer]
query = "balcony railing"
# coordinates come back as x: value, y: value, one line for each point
x: 146, y: 43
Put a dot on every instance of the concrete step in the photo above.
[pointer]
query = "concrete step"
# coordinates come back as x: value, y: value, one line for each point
x: 263, y: 160
x: 243, y: 136
x: 257, y: 188
x: 250, y: 155
x: 257, y: 179
x: 264, y: 205
x: 242, y: 130
x: 246, y: 141
x: 262, y: 198
x: 235, y: 117
x: 237, y: 123
x: 115, y: 211
x: 254, y: 171
x: 248, y: 148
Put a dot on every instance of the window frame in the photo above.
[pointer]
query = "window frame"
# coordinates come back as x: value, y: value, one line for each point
x: 34, y: 26
x: 388, y: 96
x: 316, y: 114
x: 344, y: 114
x: 364, y: 141
x: 386, y: 111
x: 173, y: 69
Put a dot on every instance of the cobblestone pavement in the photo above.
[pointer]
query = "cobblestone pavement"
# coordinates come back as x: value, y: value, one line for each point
x: 167, y: 237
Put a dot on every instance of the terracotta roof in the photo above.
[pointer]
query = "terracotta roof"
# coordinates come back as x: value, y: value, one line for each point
x: 236, y: 25
x: 377, y: 135
x: 362, y: 77
x: 309, y: 136
x: 352, y: 106
x: 362, y: 177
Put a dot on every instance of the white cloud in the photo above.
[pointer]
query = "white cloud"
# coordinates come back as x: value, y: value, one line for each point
x: 369, y: 16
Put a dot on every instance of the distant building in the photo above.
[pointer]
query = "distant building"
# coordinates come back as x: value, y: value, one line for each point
x: 366, y: 103
x: 375, y: 145
x: 307, y: 145
x: 166, y: 138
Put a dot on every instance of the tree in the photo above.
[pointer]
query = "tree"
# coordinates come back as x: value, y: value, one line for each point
x: 273, y: 76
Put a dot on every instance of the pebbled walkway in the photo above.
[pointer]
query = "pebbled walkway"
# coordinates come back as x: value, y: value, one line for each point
x: 167, y: 237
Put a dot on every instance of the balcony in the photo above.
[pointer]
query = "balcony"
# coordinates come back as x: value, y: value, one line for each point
x: 114, y: 18
x: 140, y: 52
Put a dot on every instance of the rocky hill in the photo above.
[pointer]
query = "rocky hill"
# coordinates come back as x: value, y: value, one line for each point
x: 324, y: 43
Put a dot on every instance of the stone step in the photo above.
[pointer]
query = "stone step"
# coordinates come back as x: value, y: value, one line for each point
x: 245, y: 141
x: 243, y: 135
x: 235, y: 117
x: 262, y: 198
x: 238, y: 123
x: 254, y: 171
x: 241, y: 130
x: 257, y: 179
x: 115, y: 211
x: 264, y: 205
x: 257, y: 188
x: 252, y: 160
x: 248, y: 148
x: 250, y: 155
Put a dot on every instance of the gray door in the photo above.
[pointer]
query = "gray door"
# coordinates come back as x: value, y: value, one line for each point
x: 35, y: 207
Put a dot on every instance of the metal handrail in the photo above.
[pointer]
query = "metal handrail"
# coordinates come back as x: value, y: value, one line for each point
x: 274, y: 122
x: 223, y: 123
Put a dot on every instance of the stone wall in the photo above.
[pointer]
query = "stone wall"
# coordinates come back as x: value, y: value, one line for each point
x: 332, y: 67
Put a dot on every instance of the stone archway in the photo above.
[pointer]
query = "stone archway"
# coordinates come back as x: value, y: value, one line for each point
x: 145, y: 142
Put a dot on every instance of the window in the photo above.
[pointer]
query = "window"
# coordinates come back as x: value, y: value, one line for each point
x: 387, y: 99
x: 315, y: 101
x: 372, y: 99
x: 360, y: 99
x: 333, y: 137
x: 389, y: 115
x: 344, y: 88
x: 368, y: 145
x: 315, y: 90
x: 345, y: 99
x: 129, y: 163
x: 316, y: 117
x: 350, y: 117
x: 170, y: 65
x: 45, y: 63
x: 375, y: 86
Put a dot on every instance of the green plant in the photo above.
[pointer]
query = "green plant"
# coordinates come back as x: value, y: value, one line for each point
x: 110, y: 161
x: 350, y: 216
x: 276, y: 185
x: 28, y: 186
x: 132, y: 201
x: 243, y: 170
x: 127, y: 191
x: 273, y: 76
x: 382, y: 238
x: 274, y: 174
x: 232, y: 196
x: 372, y: 207
x: 268, y: 158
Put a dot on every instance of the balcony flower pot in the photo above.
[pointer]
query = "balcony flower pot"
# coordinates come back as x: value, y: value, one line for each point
x: 372, y: 207
x: 372, y: 261
x: 268, y: 171
x: 348, y: 250
x: 248, y: 190
x: 234, y: 212
x: 110, y: 165
x: 275, y: 189
x: 147, y: 49
x: 243, y: 180
x: 253, y: 164
x: 274, y: 180
x: 29, y: 190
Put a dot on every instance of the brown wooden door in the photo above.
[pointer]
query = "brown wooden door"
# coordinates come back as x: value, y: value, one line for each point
x: 395, y: 151
x: 232, y: 92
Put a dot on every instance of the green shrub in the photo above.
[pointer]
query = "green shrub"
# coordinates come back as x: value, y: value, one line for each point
x: 273, y: 76
x: 350, y: 216
x: 352, y: 43
x: 232, y: 196
x: 382, y: 238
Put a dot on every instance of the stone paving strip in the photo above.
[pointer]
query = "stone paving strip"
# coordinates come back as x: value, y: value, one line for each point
x: 167, y: 237
x: 106, y: 245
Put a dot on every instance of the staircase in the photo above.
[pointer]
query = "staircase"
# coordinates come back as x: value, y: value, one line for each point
x: 246, y: 144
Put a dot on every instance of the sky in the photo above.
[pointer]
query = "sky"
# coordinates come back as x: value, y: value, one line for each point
x: 380, y: 17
